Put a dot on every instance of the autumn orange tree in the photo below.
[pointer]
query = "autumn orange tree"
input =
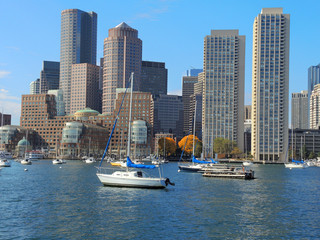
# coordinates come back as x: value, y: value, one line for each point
x: 170, y: 146
x: 188, y: 141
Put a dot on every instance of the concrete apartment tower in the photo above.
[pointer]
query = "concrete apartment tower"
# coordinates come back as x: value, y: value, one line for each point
x: 270, y: 85
x: 299, y: 110
x: 122, y: 56
x: 223, y: 88
x: 78, y: 45
x: 315, y: 107
x: 35, y: 86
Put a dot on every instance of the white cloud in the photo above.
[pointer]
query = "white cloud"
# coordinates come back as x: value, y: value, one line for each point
x: 176, y: 92
x: 152, y: 14
x: 3, y: 73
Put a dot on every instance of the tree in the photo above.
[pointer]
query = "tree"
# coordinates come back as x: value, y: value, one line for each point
x: 170, y: 146
x: 222, y: 145
x: 186, y: 143
x: 236, y: 151
x: 312, y: 155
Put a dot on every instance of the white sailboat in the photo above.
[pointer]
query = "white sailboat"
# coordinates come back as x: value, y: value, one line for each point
x: 295, y: 163
x: 130, y: 177
x: 26, y: 160
x: 90, y: 159
x: 58, y: 160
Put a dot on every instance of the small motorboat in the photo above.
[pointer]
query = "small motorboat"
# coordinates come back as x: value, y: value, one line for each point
x: 58, y: 161
x: 4, y: 163
x: 90, y: 160
x: 247, y: 163
x: 26, y: 161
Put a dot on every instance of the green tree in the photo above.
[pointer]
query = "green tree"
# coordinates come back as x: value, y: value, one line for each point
x: 236, y: 151
x: 222, y: 145
x: 312, y: 155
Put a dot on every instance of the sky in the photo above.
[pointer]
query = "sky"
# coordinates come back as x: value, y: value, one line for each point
x: 172, y: 31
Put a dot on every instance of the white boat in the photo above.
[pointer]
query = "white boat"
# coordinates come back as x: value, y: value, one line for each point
x: 247, y: 163
x: 4, y: 163
x: 6, y: 155
x: 26, y: 161
x: 90, y: 160
x: 130, y: 178
x: 295, y: 165
x: 58, y: 161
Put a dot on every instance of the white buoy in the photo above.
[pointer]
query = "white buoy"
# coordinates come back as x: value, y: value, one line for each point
x: 59, y: 167
x: 179, y: 170
x: 25, y: 169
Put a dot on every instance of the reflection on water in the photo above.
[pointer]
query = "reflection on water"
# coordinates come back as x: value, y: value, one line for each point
x: 49, y: 202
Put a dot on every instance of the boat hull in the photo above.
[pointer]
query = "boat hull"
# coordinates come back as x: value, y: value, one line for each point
x: 294, y: 165
x: 133, y: 182
x: 190, y: 168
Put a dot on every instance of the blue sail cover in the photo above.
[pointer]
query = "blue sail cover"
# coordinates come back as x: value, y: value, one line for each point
x: 213, y: 161
x: 198, y: 161
x: 131, y: 164
x: 295, y: 161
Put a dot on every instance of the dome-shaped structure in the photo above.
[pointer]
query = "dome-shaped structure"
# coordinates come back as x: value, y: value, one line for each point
x: 84, y: 114
x: 23, y: 142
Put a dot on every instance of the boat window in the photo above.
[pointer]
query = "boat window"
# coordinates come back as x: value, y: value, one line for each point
x: 139, y: 174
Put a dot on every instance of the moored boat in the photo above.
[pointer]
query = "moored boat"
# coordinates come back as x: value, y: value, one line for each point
x: 26, y: 161
x: 58, y: 161
x: 4, y: 163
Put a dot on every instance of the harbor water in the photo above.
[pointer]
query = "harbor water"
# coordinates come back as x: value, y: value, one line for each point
x: 69, y: 202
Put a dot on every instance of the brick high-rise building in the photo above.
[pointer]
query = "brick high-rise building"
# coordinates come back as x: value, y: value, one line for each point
x: 84, y: 87
x: 122, y: 56
x: 78, y: 45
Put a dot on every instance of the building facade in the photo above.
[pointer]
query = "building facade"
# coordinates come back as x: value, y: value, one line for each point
x: 223, y: 88
x: 313, y: 79
x: 304, y: 142
x: 154, y: 78
x: 299, y: 110
x: 188, y: 83
x: 122, y: 56
x: 84, y: 87
x: 168, y: 115
x: 270, y: 85
x: 315, y: 107
x: 49, y: 76
x: 78, y: 45
x: 35, y: 87
x: 5, y: 119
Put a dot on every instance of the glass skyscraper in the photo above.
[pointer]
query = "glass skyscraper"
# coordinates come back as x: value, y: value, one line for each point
x: 78, y: 45
x: 223, y: 88
x: 270, y: 85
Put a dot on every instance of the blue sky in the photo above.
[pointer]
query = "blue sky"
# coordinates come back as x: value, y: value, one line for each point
x: 172, y: 31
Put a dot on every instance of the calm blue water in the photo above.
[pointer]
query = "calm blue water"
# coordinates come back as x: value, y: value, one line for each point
x: 49, y: 202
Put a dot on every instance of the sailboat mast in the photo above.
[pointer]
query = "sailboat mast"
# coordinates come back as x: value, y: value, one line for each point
x: 194, y: 126
x: 129, y: 122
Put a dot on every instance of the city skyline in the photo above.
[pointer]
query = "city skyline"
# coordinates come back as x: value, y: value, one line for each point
x: 22, y: 57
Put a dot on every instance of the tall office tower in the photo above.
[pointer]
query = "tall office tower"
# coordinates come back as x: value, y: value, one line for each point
x: 154, y: 78
x: 315, y: 107
x: 270, y: 85
x: 313, y: 79
x: 193, y: 72
x: 84, y: 87
x: 122, y: 56
x: 35, y: 86
x: 168, y: 115
x: 78, y: 45
x: 223, y: 88
x: 49, y: 76
x: 187, y: 91
x: 299, y: 110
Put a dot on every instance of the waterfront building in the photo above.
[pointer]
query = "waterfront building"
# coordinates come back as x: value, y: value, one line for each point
x: 122, y: 56
x: 84, y: 87
x: 35, y: 86
x: 139, y: 138
x: 78, y: 45
x: 142, y: 109
x: 49, y: 76
x: 313, y: 79
x: 188, y: 83
x: 157, y: 137
x: 299, y: 110
x: 270, y: 85
x: 5, y: 119
x: 82, y: 139
x: 168, y: 115
x: 59, y: 101
x: 223, y: 88
x: 154, y: 78
x: 304, y: 142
